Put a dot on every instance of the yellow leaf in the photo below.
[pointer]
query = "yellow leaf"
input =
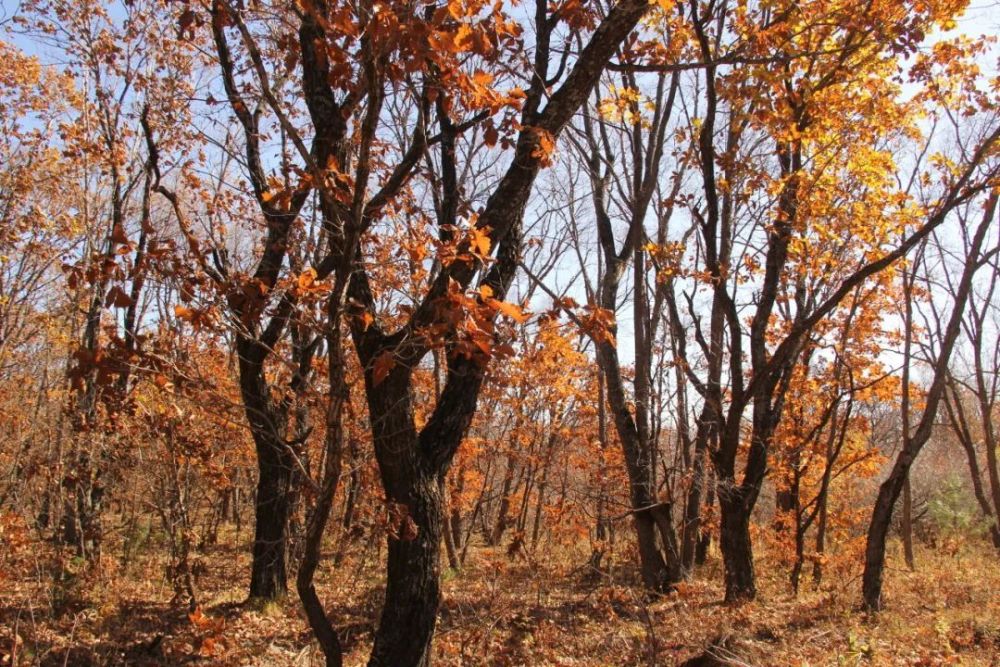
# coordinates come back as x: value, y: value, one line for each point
x: 480, y: 241
x: 513, y: 311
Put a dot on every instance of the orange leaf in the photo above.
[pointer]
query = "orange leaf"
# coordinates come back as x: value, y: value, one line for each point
x: 307, y: 278
x: 480, y: 241
x: 384, y: 363
x: 513, y: 311
x: 545, y: 146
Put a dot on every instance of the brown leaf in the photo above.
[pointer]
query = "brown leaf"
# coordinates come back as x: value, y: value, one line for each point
x: 118, y: 298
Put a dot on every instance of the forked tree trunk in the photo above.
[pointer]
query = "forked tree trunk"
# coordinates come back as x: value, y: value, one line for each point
x: 415, y: 508
x: 660, y: 569
x: 652, y: 566
x: 409, y: 461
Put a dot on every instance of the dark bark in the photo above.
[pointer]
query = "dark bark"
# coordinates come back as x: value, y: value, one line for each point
x: 272, y: 508
x: 353, y: 486
x: 411, y: 484
x: 906, y: 525
x: 411, y: 462
x: 542, y: 488
x: 338, y: 399
x: 960, y: 425
x: 276, y: 475
x: 412, y: 593
x: 660, y: 568
x: 737, y: 550
x: 817, y: 572
x: 455, y: 510
x: 892, y: 487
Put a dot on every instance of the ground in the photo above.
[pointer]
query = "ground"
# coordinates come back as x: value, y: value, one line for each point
x: 497, y: 611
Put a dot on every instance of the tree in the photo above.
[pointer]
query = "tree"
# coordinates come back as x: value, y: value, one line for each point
x: 345, y: 106
x: 628, y: 183
x: 410, y: 460
x: 971, y: 392
x: 791, y: 138
x: 977, y: 254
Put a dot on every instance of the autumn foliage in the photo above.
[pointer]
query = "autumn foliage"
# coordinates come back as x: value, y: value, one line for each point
x: 484, y: 332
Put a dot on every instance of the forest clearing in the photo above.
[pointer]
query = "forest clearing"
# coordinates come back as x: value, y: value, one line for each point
x: 499, y: 332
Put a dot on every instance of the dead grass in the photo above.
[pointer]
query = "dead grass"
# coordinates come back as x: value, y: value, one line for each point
x: 54, y: 610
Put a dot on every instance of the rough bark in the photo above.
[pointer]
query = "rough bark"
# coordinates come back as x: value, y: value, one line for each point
x: 272, y: 507
x: 737, y: 550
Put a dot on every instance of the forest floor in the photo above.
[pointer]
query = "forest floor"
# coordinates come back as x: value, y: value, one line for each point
x: 54, y: 610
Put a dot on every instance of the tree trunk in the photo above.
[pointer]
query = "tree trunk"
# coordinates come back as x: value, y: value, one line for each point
x: 414, y: 504
x: 800, y: 556
x: 659, y: 570
x: 907, y: 524
x: 455, y: 509
x: 692, y: 506
x: 412, y: 592
x: 651, y: 564
x: 449, y: 537
x: 705, y: 536
x: 273, y: 505
x: 878, y: 529
x: 820, y: 536
x: 353, y: 486
x: 333, y: 453
x: 506, y: 490
x: 276, y: 473
x: 737, y: 552
x: 542, y: 488
x: 601, y: 532
x: 960, y: 426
